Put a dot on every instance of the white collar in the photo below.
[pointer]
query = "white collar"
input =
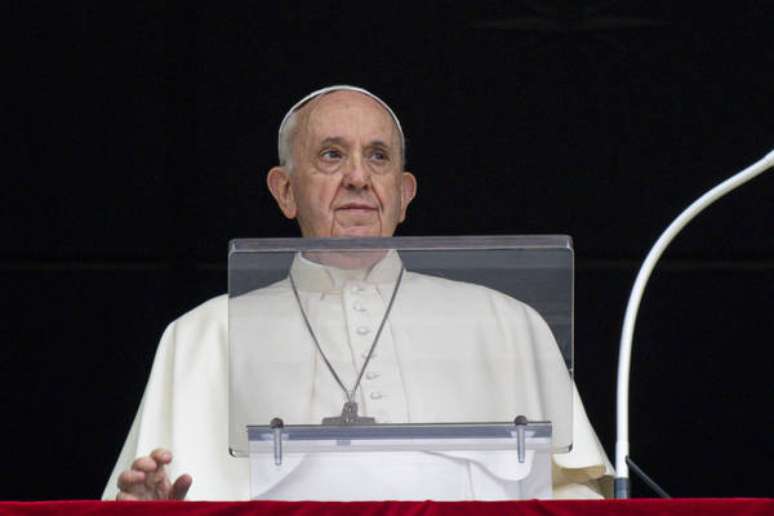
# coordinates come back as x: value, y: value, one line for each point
x: 312, y: 276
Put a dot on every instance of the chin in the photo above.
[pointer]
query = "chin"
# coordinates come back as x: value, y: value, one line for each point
x: 358, y: 232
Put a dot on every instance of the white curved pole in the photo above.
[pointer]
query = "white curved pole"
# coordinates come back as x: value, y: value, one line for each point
x: 624, y: 356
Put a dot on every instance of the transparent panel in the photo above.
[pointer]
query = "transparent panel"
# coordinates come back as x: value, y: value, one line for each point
x: 327, y: 333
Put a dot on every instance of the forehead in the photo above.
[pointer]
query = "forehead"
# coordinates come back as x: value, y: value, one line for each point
x: 347, y: 115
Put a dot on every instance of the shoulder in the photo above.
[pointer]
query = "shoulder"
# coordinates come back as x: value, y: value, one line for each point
x: 209, y: 319
x: 261, y: 302
x: 211, y: 311
x: 463, y: 293
x: 437, y: 296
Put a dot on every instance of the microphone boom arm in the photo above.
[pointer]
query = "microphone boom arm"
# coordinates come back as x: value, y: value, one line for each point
x: 625, y: 350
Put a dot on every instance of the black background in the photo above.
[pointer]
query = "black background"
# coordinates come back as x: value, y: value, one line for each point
x: 136, y: 138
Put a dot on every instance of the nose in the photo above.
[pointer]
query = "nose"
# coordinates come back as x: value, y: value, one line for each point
x: 356, y: 174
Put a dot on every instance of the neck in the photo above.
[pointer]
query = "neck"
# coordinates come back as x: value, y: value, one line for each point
x: 349, y: 260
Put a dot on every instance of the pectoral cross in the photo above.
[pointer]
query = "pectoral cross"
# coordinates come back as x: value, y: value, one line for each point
x: 348, y: 417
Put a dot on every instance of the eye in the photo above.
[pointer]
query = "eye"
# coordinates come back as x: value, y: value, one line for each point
x: 379, y: 155
x: 331, y: 155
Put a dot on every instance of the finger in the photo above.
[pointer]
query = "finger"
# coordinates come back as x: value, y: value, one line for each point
x: 181, y: 486
x: 148, y: 477
x: 157, y: 483
x: 162, y: 486
x: 161, y: 456
x: 126, y: 497
x: 146, y: 464
x: 129, y: 479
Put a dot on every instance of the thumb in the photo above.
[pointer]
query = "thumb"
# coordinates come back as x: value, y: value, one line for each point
x: 181, y: 486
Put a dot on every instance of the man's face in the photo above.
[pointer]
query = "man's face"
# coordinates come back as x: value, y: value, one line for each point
x: 347, y: 177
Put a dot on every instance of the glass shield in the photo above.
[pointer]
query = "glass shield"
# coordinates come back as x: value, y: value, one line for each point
x: 335, y: 334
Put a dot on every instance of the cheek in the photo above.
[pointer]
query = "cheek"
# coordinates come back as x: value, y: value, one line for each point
x: 324, y: 197
x: 316, y: 199
x: 389, y: 195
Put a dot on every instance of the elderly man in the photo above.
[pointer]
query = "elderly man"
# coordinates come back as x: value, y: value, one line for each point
x: 341, y: 173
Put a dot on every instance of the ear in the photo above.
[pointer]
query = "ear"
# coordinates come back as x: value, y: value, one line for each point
x: 408, y: 189
x: 278, y: 181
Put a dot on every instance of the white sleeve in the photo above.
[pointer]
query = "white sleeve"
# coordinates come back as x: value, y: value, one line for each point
x: 584, y: 472
x: 150, y: 424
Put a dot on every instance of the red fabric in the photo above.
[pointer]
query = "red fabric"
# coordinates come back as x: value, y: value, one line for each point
x: 736, y: 506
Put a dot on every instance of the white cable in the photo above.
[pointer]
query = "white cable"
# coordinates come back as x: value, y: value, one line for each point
x: 624, y: 356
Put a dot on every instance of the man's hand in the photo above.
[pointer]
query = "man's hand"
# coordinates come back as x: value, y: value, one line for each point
x: 148, y: 480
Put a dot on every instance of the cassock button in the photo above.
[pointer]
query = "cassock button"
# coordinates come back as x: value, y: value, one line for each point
x: 376, y: 395
x: 372, y: 375
x: 363, y: 330
x: 358, y: 289
x: 359, y: 307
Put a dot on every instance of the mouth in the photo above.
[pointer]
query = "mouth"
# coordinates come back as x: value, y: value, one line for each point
x: 356, y: 206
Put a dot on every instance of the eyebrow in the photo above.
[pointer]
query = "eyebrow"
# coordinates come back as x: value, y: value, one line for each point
x: 332, y: 140
x: 379, y: 143
x: 337, y: 140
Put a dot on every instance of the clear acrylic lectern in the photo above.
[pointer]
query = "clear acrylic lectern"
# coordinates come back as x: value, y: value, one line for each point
x: 382, y: 368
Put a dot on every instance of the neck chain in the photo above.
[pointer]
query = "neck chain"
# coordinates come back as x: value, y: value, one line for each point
x: 349, y: 414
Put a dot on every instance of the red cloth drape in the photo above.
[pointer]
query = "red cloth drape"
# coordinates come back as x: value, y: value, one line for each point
x: 735, y: 506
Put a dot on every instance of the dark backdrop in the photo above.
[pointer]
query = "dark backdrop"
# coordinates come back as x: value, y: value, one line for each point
x: 136, y: 137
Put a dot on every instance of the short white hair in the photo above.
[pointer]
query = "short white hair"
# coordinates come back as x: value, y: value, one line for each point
x: 287, y: 127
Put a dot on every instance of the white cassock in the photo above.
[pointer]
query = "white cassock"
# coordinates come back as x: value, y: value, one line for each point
x: 473, y: 353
